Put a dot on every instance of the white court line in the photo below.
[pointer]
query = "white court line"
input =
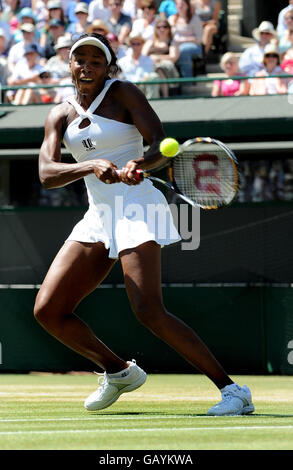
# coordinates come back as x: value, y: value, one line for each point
x: 119, y: 418
x: 146, y: 397
x: 141, y: 430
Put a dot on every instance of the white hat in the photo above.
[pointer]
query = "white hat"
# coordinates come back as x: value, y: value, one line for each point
x: 63, y: 41
x: 81, y: 7
x: 271, y: 49
x: 264, y: 27
x: 135, y: 35
x: 27, y: 27
x: 91, y: 41
x: 53, y: 4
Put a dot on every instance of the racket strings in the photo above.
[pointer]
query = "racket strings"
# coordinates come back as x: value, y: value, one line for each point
x: 207, y: 177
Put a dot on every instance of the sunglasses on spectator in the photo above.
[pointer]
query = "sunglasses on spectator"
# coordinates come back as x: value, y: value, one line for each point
x: 99, y: 30
x: 136, y: 43
x: 275, y: 56
x: 266, y: 33
x: 147, y: 8
x: 163, y: 26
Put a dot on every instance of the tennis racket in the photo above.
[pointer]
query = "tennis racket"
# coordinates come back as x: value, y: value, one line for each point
x: 204, y: 173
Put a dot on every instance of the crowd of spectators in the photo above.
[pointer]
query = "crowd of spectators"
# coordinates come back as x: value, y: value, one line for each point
x: 152, y: 40
x: 270, y: 59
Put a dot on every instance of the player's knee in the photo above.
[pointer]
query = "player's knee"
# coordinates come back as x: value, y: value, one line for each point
x: 149, y: 312
x: 42, y: 311
x: 39, y: 312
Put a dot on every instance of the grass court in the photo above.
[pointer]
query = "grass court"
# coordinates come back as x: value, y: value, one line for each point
x: 45, y: 412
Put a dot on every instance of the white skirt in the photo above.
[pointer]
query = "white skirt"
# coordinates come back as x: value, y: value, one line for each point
x: 141, y: 214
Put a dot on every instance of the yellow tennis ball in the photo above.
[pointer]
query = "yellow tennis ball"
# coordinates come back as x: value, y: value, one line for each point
x: 169, y: 147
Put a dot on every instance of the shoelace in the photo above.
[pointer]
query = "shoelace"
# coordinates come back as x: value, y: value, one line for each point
x: 102, y: 379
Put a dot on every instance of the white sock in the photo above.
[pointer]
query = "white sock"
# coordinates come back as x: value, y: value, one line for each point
x: 122, y: 373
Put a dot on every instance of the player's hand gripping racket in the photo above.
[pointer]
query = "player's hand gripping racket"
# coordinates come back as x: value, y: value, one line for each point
x: 203, y: 173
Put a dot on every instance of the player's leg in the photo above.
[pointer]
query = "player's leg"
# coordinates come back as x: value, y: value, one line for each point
x: 142, y: 273
x: 76, y: 271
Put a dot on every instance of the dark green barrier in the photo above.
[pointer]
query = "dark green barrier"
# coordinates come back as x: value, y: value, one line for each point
x: 245, y: 243
x: 247, y: 328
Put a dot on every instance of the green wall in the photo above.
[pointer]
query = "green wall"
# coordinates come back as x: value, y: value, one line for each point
x: 247, y: 328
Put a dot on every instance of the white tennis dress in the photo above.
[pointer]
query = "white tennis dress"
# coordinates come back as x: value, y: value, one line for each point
x: 119, y: 215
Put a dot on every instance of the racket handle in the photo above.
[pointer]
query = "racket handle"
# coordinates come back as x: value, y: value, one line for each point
x: 139, y: 174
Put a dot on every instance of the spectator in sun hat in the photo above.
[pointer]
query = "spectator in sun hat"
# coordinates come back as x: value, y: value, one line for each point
x: 271, y: 66
x: 251, y: 60
x: 80, y: 26
x: 17, y: 50
x: 99, y: 27
x: 58, y: 64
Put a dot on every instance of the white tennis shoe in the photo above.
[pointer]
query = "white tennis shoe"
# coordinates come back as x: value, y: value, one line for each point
x: 113, y: 385
x: 236, y: 400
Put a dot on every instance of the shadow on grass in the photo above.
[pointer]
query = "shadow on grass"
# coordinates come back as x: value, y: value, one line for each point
x: 145, y: 413
x: 188, y: 415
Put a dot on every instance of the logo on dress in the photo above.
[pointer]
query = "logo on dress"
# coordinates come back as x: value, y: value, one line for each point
x: 88, y: 145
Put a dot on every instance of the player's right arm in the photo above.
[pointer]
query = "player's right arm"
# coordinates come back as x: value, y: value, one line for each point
x: 52, y: 172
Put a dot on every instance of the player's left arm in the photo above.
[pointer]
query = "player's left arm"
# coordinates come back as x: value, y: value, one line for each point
x: 148, y: 124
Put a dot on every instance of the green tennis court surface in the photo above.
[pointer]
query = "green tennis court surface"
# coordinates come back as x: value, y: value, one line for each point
x: 45, y: 411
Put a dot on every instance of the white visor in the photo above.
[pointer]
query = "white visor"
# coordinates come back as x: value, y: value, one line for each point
x: 91, y: 41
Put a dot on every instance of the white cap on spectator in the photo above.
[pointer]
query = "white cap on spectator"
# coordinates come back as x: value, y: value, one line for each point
x: 264, y: 27
x: 63, y: 41
x: 53, y: 4
x: 271, y: 49
x: 81, y: 7
x: 135, y: 35
x: 27, y: 27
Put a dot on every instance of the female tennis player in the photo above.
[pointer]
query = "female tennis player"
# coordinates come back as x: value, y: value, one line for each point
x: 103, y: 126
